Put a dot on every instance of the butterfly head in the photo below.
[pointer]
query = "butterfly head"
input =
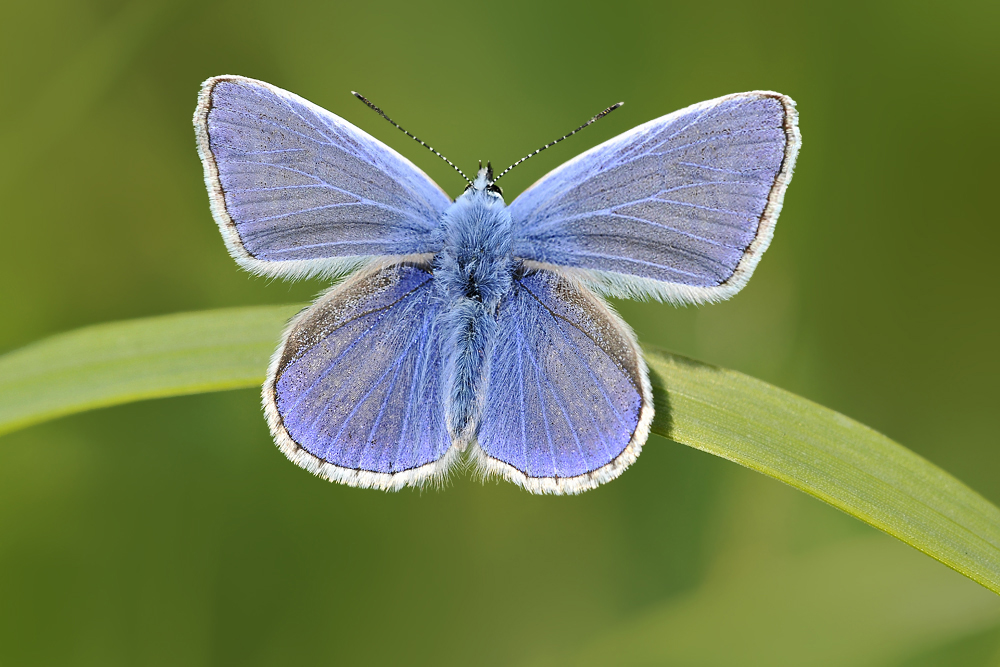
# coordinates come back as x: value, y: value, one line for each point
x: 485, y: 182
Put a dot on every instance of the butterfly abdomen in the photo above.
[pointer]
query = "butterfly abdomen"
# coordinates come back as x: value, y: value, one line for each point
x: 472, y: 273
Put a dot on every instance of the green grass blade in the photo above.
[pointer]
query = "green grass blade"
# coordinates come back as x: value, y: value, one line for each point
x: 829, y: 456
x: 115, y: 363
x: 722, y: 412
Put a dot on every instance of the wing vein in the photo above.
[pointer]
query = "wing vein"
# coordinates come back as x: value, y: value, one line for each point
x: 562, y: 409
x: 363, y: 334
x: 541, y: 406
x: 600, y: 387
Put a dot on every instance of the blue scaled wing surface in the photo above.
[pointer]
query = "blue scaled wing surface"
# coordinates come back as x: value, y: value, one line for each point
x: 299, y: 191
x: 354, y: 391
x: 568, y: 403
x: 680, y: 208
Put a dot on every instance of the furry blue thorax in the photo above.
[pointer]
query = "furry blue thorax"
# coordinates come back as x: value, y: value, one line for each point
x: 473, y: 272
x: 475, y: 262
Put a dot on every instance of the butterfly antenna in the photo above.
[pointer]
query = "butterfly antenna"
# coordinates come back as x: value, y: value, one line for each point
x: 397, y: 126
x: 565, y: 136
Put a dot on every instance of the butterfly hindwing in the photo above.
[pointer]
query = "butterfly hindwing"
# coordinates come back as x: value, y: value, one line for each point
x: 354, y: 393
x: 568, y: 404
x: 680, y: 208
x: 296, y: 190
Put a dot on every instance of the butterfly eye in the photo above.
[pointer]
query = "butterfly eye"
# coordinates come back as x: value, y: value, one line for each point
x: 495, y: 188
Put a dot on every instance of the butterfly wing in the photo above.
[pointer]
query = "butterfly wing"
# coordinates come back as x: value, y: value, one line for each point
x: 568, y: 403
x: 297, y: 190
x: 354, y: 391
x: 680, y: 208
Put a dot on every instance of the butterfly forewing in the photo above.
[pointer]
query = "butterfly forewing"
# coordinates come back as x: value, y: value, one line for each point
x: 297, y: 190
x: 678, y: 208
x: 568, y: 404
x: 354, y: 393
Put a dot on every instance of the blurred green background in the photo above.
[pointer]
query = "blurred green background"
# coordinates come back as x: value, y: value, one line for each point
x: 173, y: 532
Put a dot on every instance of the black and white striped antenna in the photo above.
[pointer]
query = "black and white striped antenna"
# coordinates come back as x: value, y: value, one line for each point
x: 565, y: 136
x: 398, y: 127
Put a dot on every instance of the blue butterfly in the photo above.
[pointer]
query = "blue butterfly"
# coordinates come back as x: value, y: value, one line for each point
x: 470, y: 325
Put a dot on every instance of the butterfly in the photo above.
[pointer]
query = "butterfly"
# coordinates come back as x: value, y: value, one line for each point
x: 470, y: 325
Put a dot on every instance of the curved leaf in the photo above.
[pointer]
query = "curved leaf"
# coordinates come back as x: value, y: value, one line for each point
x: 829, y: 456
x: 109, y: 364
x: 725, y: 413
